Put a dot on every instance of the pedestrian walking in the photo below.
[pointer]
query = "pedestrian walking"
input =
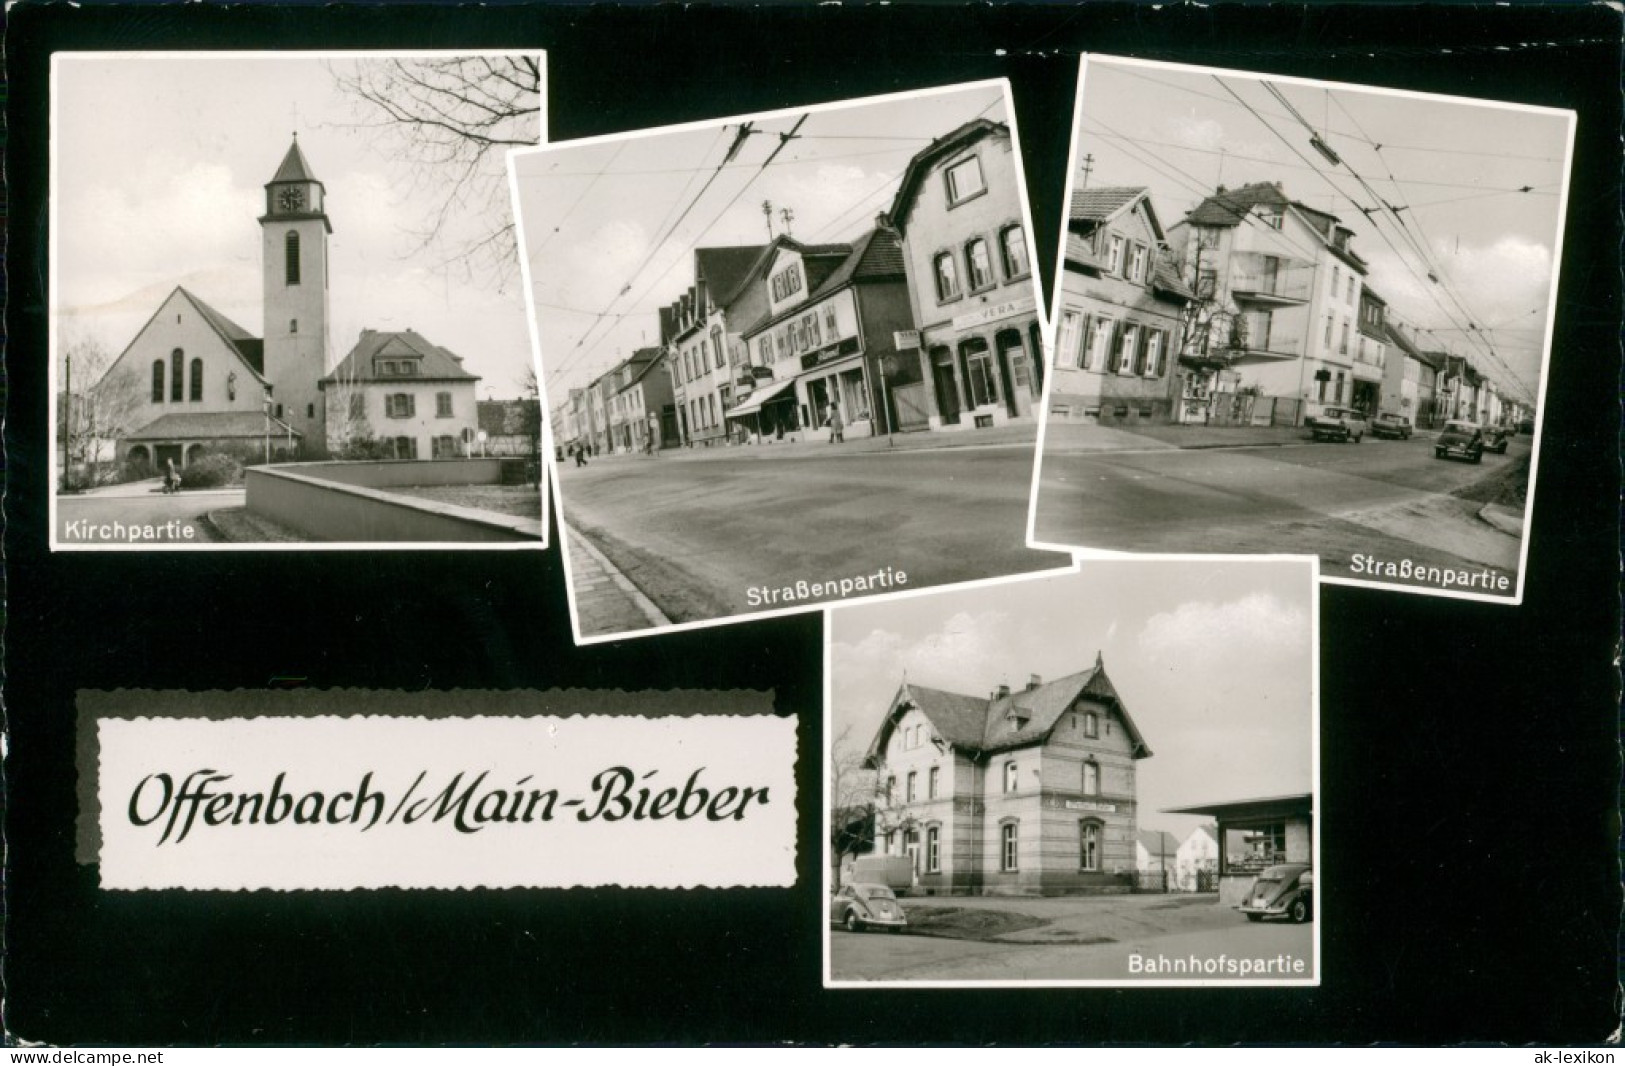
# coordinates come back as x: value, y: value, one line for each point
x: 832, y: 419
x: 172, y: 480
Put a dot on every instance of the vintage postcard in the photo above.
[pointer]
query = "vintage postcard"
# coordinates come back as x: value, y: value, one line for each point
x: 283, y: 306
x: 1109, y: 777
x: 1300, y: 316
x: 791, y: 358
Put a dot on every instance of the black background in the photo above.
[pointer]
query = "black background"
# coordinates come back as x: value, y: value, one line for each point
x: 1469, y: 751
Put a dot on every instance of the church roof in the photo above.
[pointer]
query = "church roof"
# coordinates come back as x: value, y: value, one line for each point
x: 208, y: 425
x: 983, y: 725
x: 245, y: 344
x: 435, y: 363
x: 294, y: 167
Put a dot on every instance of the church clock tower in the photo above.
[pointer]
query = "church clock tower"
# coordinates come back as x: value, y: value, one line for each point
x: 294, y: 231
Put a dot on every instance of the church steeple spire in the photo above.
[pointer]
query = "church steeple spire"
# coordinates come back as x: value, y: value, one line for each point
x: 295, y: 192
x: 294, y: 167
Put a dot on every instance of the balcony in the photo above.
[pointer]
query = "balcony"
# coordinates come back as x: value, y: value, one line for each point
x: 1270, y: 280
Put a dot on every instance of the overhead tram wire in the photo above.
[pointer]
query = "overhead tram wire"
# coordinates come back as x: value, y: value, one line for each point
x: 559, y: 223
x: 654, y: 246
x: 784, y: 139
x: 1418, y: 241
x: 1483, y: 346
x: 1345, y: 133
x: 1201, y: 188
x: 1432, y: 294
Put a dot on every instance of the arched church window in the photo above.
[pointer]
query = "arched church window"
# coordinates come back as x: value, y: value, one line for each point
x: 290, y: 272
x: 177, y: 363
x: 197, y: 381
x: 157, y: 381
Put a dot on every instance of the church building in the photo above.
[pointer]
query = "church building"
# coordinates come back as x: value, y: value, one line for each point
x: 210, y: 385
x: 1025, y: 792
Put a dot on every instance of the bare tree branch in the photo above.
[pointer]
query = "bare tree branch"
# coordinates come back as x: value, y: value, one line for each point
x: 451, y: 119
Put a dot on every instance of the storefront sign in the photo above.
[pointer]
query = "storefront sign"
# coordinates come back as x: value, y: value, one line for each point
x: 904, y: 339
x: 994, y: 312
x: 1091, y: 805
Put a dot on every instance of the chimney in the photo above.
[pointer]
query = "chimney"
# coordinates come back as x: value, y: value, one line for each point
x: 1033, y: 681
x: 1001, y: 692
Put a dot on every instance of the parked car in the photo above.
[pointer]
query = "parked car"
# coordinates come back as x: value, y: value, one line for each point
x: 1396, y: 426
x: 1286, y: 890
x: 1495, y: 439
x: 1337, y: 423
x: 859, y: 906
x: 1526, y: 426
x: 1460, y: 438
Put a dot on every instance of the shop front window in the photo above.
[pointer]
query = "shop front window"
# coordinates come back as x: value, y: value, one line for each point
x: 980, y: 379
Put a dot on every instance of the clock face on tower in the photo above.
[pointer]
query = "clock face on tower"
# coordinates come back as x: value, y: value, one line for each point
x: 291, y: 199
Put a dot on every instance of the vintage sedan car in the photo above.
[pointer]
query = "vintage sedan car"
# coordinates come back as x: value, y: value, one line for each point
x: 1460, y: 438
x: 1286, y: 890
x: 1495, y: 439
x: 1395, y: 426
x: 1337, y: 423
x: 863, y: 906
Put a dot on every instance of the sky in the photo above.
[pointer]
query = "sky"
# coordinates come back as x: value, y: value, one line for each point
x: 610, y: 224
x: 1447, y: 164
x: 173, y: 198
x: 1212, y: 657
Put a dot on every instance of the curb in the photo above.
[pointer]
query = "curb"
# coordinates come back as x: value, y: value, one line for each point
x: 645, y: 606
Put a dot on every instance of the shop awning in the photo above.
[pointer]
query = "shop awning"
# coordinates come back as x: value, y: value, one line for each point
x: 759, y: 397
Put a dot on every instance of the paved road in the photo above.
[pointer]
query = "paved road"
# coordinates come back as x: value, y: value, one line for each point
x: 696, y: 535
x: 1277, y: 947
x: 1386, y: 499
x: 148, y: 519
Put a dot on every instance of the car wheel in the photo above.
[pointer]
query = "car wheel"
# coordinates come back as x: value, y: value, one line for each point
x: 1438, y: 453
x: 1300, y: 910
x: 1477, y: 457
x: 854, y: 924
x: 1255, y: 917
x: 1358, y: 437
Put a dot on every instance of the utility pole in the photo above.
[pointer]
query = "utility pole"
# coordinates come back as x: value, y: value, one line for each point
x: 767, y: 213
x: 1088, y: 164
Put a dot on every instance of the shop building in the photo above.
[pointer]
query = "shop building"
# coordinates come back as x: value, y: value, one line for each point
x: 833, y: 316
x: 1122, y: 313
x: 1253, y: 834
x: 971, y: 285
x: 1370, y: 352
x: 1029, y: 792
x: 702, y: 341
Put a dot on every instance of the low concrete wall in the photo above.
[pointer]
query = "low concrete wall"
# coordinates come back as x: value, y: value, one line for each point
x: 392, y: 473
x: 344, y: 502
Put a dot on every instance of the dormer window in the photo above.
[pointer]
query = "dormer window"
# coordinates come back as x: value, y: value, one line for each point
x: 964, y: 180
x: 1017, y: 718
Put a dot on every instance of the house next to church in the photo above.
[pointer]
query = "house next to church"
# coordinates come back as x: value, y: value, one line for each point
x: 210, y: 385
x: 1028, y: 792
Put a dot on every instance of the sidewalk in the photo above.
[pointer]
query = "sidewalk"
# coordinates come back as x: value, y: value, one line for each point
x: 922, y: 440
x: 606, y: 602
